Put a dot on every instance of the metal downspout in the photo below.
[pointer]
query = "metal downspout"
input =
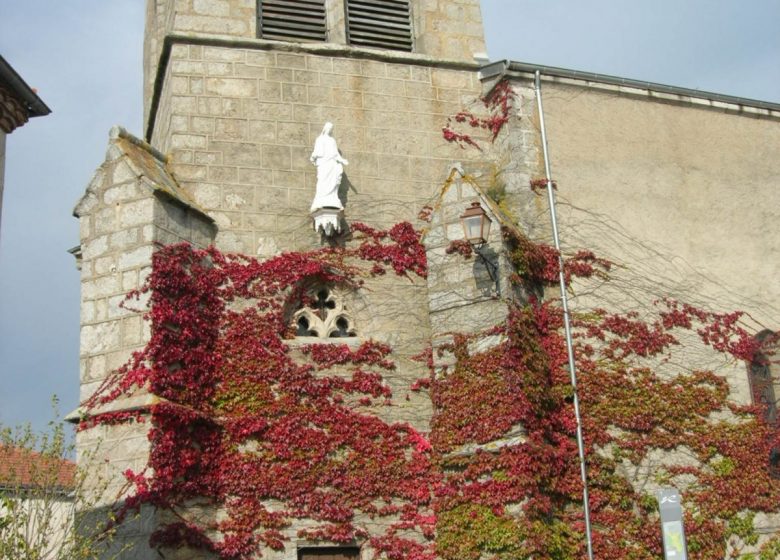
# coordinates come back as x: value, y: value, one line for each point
x: 566, y: 318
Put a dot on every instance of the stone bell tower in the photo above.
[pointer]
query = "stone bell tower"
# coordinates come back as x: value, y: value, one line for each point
x: 235, y: 94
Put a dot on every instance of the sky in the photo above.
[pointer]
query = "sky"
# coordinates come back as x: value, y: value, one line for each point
x: 84, y: 58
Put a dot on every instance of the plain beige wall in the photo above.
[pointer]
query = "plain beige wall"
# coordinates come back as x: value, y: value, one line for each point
x: 687, y: 197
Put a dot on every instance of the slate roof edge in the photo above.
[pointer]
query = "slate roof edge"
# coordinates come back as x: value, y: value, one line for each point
x: 510, y: 68
x: 35, y: 105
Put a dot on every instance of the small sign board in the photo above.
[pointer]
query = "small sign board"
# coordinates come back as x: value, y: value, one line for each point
x: 670, y: 506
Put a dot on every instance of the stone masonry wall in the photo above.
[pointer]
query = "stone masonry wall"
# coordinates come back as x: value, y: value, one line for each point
x: 115, y: 219
x: 519, y: 159
x: 237, y: 117
x: 442, y: 29
x: 121, y: 220
x: 240, y: 124
x: 116, y: 235
x: 462, y: 296
x: 678, y: 191
x: 449, y: 29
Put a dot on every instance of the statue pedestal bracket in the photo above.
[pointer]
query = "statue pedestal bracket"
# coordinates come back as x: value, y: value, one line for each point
x: 328, y: 221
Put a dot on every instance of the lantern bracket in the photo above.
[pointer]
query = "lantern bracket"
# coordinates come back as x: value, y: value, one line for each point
x: 490, y: 266
x: 476, y: 229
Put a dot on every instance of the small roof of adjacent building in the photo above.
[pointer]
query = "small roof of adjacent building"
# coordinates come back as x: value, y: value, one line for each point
x: 22, y: 468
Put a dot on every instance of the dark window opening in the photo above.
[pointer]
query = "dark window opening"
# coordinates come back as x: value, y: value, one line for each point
x: 323, y: 304
x: 302, y: 328
x: 343, y: 330
x: 292, y: 20
x: 384, y: 24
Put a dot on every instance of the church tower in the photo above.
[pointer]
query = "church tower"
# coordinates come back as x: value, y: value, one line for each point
x: 235, y: 94
x: 236, y: 91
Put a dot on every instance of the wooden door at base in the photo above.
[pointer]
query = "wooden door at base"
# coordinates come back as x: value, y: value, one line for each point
x: 329, y: 553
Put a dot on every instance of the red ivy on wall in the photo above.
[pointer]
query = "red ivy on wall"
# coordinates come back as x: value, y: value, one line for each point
x: 268, y: 434
x: 246, y: 421
x: 521, y: 500
x: 497, y: 104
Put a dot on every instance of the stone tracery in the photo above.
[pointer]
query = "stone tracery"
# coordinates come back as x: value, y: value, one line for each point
x: 325, y: 317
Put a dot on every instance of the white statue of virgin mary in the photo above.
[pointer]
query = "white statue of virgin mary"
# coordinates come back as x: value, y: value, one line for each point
x: 330, y: 168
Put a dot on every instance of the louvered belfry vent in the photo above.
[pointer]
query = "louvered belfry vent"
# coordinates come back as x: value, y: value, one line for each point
x: 292, y: 20
x: 379, y: 23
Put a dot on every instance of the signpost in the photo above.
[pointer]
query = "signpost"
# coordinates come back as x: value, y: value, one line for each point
x: 670, y: 506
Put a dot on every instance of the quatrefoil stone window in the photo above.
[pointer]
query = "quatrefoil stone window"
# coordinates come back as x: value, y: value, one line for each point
x: 325, y: 317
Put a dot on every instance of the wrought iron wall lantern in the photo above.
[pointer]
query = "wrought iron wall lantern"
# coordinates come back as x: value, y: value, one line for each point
x: 476, y: 229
